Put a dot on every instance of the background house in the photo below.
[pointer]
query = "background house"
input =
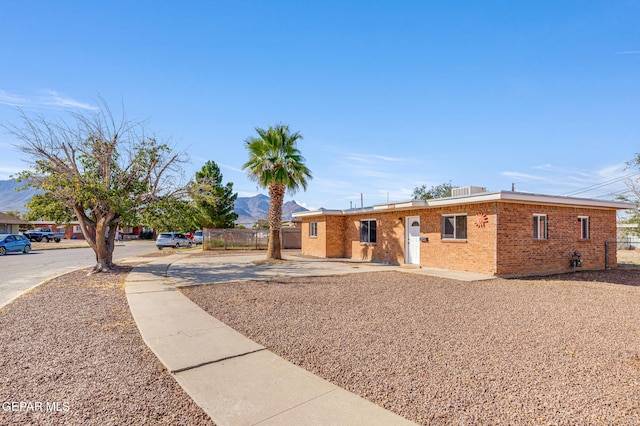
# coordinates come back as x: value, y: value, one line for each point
x: 10, y: 224
x: 72, y: 230
x: 500, y: 233
x: 628, y: 236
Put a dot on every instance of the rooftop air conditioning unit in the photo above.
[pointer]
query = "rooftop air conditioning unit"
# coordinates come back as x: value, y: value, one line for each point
x: 467, y: 190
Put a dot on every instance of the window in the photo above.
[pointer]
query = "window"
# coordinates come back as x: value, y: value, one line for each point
x: 368, y: 231
x: 540, y: 231
x: 454, y: 227
x: 584, y: 227
x: 313, y: 229
x: 76, y: 229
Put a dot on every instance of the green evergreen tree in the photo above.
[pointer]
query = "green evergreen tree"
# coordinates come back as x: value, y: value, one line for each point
x: 213, y: 201
x: 170, y: 213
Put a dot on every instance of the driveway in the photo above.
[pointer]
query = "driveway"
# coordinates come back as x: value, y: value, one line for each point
x: 203, y: 269
x: 207, y: 268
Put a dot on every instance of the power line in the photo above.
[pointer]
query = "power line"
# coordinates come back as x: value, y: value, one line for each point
x: 600, y: 185
x: 609, y: 195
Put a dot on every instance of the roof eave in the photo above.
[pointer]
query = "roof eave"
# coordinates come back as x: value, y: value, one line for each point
x: 482, y: 197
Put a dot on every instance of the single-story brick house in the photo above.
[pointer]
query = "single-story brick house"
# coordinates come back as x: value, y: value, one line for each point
x: 500, y: 233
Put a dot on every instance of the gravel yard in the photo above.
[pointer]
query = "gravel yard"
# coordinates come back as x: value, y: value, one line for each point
x: 553, y: 350
x: 70, y: 353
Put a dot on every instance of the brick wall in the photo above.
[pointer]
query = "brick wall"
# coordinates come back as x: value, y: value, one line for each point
x: 499, y: 238
x: 519, y: 253
x: 330, y: 239
x: 335, y: 236
x: 314, y: 246
x: 339, y: 236
x: 475, y: 254
x: 389, y: 247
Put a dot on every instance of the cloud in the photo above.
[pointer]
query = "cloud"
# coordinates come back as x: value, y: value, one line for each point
x: 563, y: 175
x: 248, y: 193
x: 389, y: 159
x: 49, y: 98
x: 7, y: 172
x: 307, y: 205
x: 226, y: 166
x: 53, y: 98
x: 629, y: 52
x: 611, y: 172
x: 542, y: 167
x: 12, y: 100
x: 330, y: 183
x: 372, y: 165
x: 371, y: 158
x: 524, y: 176
x: 603, y: 182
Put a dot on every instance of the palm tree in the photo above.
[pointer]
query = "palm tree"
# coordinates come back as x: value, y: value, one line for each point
x: 276, y: 163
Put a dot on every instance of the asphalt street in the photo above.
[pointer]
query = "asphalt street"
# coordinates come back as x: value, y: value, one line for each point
x: 21, y: 272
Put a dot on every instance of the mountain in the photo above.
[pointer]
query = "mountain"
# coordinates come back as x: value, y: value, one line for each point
x: 12, y: 200
x: 252, y: 209
x: 249, y: 209
x: 290, y: 207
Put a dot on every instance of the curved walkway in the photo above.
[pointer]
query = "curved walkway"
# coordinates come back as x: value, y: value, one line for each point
x: 235, y: 380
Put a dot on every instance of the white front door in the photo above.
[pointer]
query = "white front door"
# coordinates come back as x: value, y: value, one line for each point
x: 412, y: 248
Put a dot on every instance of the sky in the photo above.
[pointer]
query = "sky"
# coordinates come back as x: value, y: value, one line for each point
x: 388, y: 95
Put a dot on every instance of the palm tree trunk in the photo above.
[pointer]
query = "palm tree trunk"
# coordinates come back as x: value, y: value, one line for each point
x: 276, y: 193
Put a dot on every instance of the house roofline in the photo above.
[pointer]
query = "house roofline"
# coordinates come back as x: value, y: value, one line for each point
x: 480, y: 197
x: 7, y: 219
x: 626, y: 225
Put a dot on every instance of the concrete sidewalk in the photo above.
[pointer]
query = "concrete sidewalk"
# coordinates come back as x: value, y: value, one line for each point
x: 235, y: 380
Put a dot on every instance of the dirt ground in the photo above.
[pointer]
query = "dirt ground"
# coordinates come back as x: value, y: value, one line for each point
x: 629, y: 258
x: 70, y: 353
x: 559, y: 349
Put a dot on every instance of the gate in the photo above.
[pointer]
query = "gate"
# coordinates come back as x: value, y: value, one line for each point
x: 291, y: 238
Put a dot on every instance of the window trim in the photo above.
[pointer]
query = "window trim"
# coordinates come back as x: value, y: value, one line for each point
x: 375, y: 231
x: 455, y: 236
x: 536, y: 227
x: 582, y: 220
x: 313, y: 229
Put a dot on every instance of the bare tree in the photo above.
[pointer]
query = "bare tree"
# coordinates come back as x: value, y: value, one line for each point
x: 100, y: 169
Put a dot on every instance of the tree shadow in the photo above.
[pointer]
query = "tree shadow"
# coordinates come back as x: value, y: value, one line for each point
x: 389, y: 247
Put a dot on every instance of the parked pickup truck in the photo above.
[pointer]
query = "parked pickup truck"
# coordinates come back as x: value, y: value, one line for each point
x: 40, y: 234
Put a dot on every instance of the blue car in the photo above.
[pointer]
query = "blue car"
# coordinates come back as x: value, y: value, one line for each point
x: 14, y: 243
